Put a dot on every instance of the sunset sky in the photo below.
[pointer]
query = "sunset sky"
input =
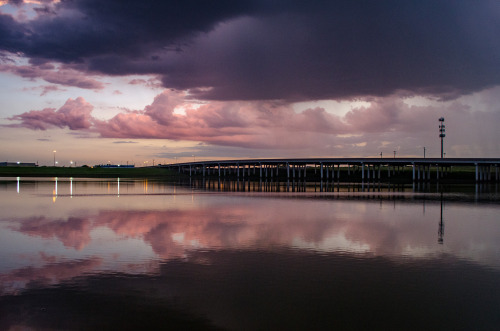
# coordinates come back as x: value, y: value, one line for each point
x: 164, y: 81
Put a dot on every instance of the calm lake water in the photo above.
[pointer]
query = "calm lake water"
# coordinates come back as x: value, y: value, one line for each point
x: 137, y: 254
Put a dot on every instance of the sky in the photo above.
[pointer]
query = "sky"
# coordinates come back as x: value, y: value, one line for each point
x: 157, y: 82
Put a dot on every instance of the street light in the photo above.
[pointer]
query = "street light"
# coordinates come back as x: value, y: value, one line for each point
x: 441, y: 133
x: 424, y: 152
x: 394, y: 154
x: 54, y: 158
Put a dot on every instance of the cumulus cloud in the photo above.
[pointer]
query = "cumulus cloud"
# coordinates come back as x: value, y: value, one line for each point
x: 290, y: 50
x: 74, y: 114
x: 276, y: 125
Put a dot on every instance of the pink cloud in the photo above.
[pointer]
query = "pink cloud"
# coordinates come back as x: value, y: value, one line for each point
x: 387, y: 123
x: 152, y: 83
x: 245, y: 124
x: 75, y: 114
x: 45, y: 89
x: 49, y: 73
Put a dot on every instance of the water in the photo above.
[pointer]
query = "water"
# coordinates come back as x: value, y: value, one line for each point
x: 136, y: 254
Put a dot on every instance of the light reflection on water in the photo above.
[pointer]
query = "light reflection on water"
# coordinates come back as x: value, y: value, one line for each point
x: 207, y: 256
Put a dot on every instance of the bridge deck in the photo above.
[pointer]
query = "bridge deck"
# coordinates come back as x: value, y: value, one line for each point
x: 421, y: 167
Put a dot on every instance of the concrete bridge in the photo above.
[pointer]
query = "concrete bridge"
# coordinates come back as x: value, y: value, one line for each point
x: 486, y: 169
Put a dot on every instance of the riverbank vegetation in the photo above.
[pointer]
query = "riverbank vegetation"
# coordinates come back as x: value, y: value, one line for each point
x: 96, y: 172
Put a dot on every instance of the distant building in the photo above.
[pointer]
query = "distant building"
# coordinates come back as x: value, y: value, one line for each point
x: 114, y: 166
x: 18, y: 164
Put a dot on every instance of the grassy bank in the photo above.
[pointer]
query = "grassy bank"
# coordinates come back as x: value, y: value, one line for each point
x: 143, y: 172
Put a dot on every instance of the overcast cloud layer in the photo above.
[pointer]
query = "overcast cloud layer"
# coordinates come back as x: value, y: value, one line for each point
x: 281, y: 49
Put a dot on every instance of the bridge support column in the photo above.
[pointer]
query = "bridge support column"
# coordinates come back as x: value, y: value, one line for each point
x: 260, y: 169
x: 305, y: 170
x: 362, y: 171
x: 189, y: 170
x: 413, y: 170
x: 287, y: 170
x: 477, y: 172
x: 321, y: 170
x: 218, y: 168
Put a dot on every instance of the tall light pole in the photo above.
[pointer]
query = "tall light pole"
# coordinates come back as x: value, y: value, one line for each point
x: 441, y: 133
x: 394, y: 154
x: 54, y: 158
x: 424, y: 152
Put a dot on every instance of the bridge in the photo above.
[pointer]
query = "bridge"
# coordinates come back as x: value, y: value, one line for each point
x: 486, y: 169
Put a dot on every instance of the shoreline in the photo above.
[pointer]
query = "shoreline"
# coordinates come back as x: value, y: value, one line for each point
x: 459, y: 175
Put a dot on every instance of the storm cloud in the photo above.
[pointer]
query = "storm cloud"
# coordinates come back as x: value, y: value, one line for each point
x: 270, y: 50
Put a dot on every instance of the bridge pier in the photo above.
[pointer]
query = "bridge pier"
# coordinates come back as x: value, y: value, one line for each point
x: 485, y: 169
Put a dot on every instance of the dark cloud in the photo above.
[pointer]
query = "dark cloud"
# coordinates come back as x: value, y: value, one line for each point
x: 292, y: 50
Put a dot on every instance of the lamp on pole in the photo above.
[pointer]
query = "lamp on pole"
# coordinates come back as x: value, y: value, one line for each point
x: 394, y: 154
x: 54, y: 158
x: 424, y: 152
x: 441, y: 133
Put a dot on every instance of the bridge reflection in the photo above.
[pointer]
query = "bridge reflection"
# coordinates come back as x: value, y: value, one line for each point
x: 277, y: 185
